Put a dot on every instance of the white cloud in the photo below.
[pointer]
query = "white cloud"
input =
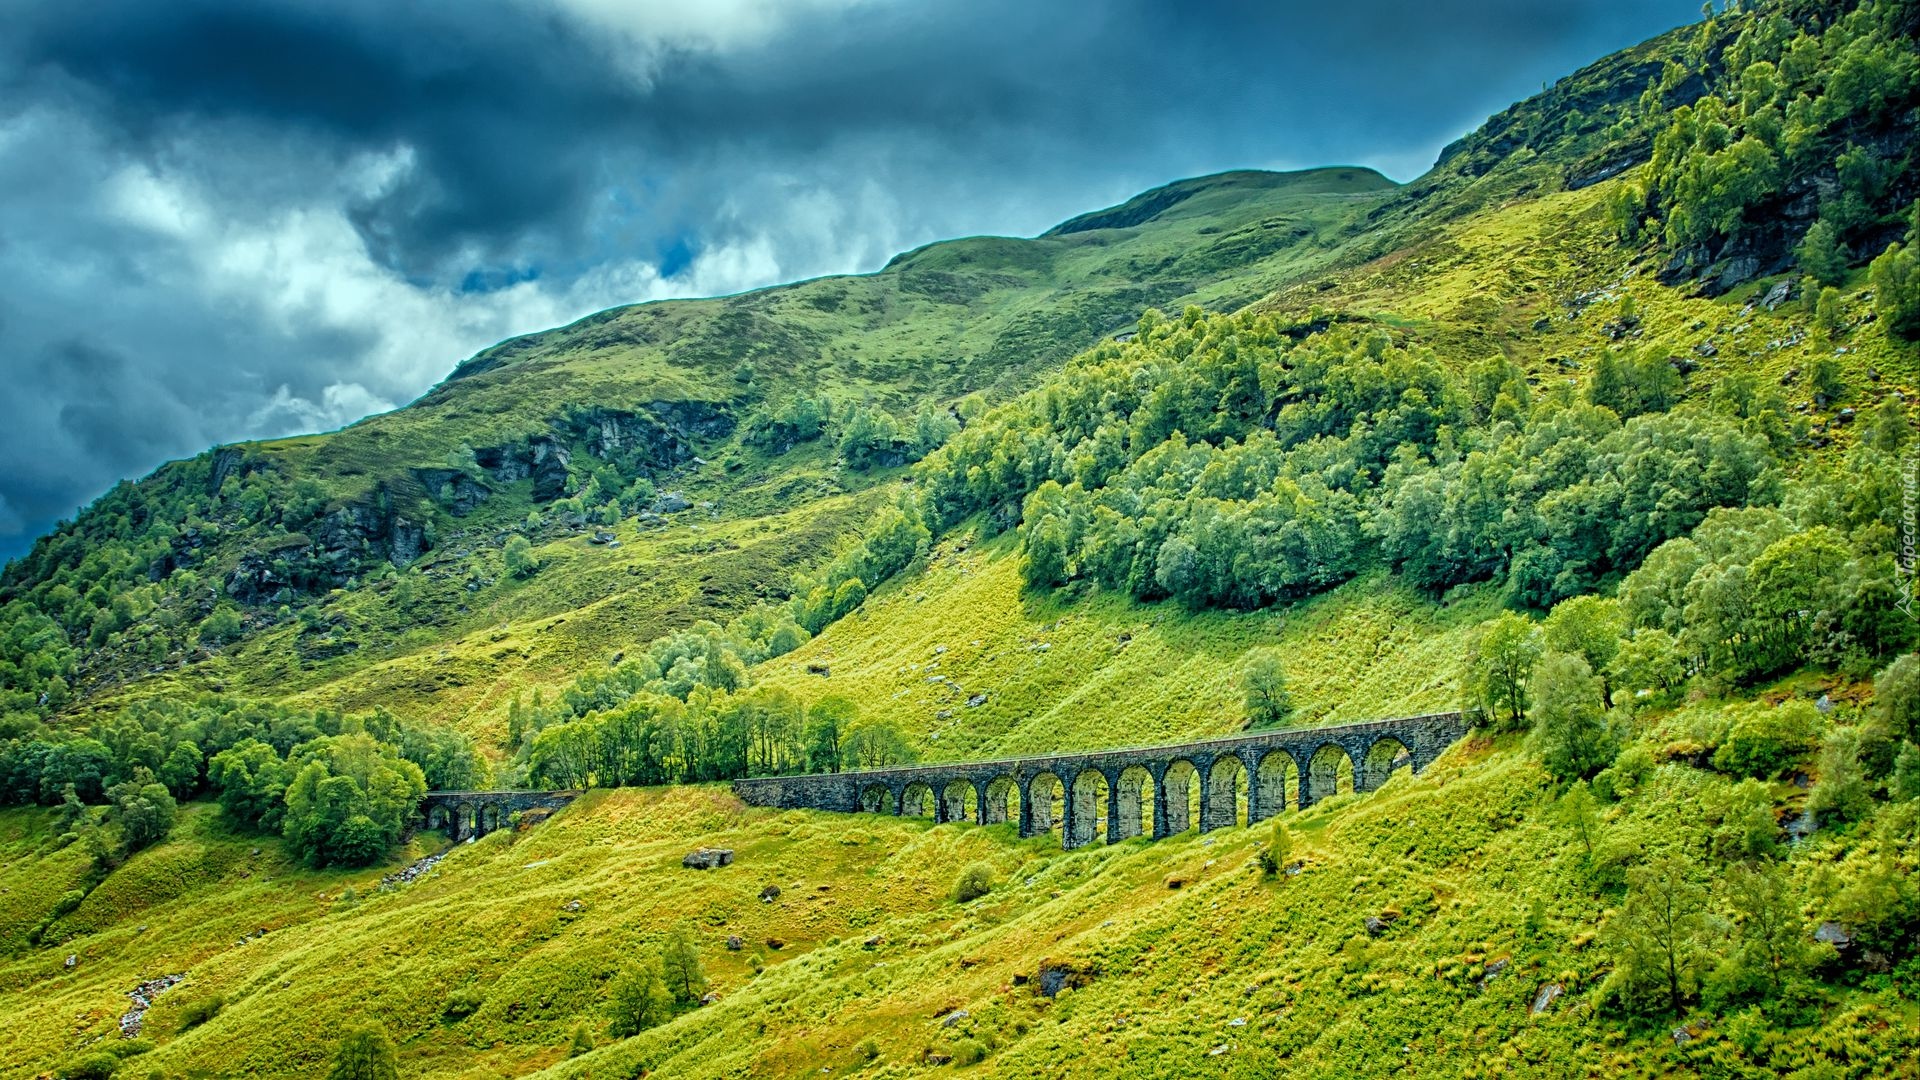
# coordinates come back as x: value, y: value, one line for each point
x: 710, y: 24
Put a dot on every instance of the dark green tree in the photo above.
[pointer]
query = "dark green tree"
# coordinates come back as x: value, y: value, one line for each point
x: 144, y: 809
x: 1500, y: 666
x: 1896, y: 697
x: 520, y: 560
x: 680, y: 966
x: 250, y: 782
x: 829, y: 720
x: 1821, y: 254
x: 349, y: 800
x: 876, y: 744
x: 1263, y: 686
x: 1659, y: 937
x: 1895, y: 276
x: 1772, y: 941
x: 365, y: 1054
x: 1570, y: 729
x: 181, y: 771
x: 1589, y: 627
x: 639, y: 999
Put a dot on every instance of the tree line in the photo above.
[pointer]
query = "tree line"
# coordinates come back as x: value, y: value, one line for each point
x: 339, y: 789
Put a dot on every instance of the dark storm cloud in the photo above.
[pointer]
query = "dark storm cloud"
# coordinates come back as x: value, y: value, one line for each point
x: 232, y: 219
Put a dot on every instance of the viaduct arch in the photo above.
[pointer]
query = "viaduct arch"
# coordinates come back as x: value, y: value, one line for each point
x: 1118, y: 794
x: 468, y: 814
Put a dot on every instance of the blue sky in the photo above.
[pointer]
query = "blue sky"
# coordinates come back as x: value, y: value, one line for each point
x: 231, y: 219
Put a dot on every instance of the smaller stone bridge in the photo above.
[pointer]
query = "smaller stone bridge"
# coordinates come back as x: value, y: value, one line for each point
x: 466, y: 814
x: 1119, y: 794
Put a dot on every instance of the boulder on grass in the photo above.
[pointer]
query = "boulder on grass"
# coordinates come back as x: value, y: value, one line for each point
x: 708, y: 858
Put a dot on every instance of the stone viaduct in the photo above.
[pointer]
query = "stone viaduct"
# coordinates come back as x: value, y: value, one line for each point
x: 1127, y: 793
x: 467, y: 814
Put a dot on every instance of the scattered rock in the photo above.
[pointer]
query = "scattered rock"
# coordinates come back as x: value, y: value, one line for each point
x: 954, y: 1017
x: 734, y: 943
x: 1706, y: 349
x: 1832, y: 933
x: 413, y: 871
x: 1681, y: 1036
x: 1779, y: 294
x: 573, y: 905
x: 936, y: 1057
x: 707, y: 858
x: 73, y: 959
x: 142, y: 997
x: 1495, y: 969
x: 1055, y: 977
x: 1218, y: 1050
x: 939, y: 650
x: 602, y: 536
x: 1825, y: 704
x: 1543, y: 1000
x: 710, y: 997
x: 976, y: 701
x: 874, y: 942
x: 671, y: 502
x: 769, y: 894
x: 818, y: 667
x: 1175, y: 881
x: 1238, y: 1021
x: 776, y: 944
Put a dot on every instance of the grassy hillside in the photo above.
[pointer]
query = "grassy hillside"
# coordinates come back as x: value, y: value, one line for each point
x: 1177, y: 953
x: 1576, y: 410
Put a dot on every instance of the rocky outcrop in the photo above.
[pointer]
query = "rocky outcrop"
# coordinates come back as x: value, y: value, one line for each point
x: 544, y: 458
x: 351, y: 534
x: 264, y: 571
x: 662, y: 436
x: 460, y: 493
x: 227, y: 461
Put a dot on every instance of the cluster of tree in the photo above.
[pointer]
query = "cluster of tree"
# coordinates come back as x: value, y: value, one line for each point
x: 682, y: 708
x: 339, y: 788
x: 599, y: 494
x: 798, y: 419
x: 1214, y: 460
x: 646, y: 993
x: 36, y: 665
x: 1715, y: 912
x: 647, y: 737
x: 895, y: 538
x: 866, y: 435
x: 1748, y: 594
x: 1804, y: 97
x: 873, y: 437
x: 1567, y: 501
x: 140, y: 570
